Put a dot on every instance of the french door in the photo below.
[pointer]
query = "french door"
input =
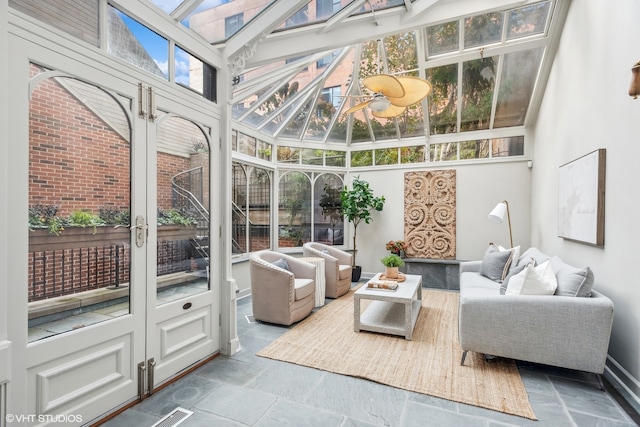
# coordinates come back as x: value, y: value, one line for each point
x: 119, y: 295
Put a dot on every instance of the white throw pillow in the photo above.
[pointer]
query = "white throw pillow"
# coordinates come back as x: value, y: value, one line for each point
x: 540, y: 280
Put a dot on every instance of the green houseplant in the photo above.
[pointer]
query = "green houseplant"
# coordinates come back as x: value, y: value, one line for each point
x: 357, y: 206
x: 392, y: 262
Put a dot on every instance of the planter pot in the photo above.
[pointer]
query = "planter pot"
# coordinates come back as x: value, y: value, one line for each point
x: 356, y: 272
x: 391, y: 272
x: 84, y: 237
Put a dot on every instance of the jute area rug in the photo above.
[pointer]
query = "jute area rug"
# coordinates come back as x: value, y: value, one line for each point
x: 428, y: 364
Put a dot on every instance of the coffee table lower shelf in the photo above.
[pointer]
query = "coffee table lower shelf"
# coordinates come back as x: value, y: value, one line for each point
x: 389, y: 318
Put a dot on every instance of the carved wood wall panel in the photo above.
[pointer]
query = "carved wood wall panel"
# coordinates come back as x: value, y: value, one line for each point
x: 430, y: 214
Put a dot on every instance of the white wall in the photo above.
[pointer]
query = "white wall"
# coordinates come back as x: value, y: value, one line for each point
x: 5, y: 360
x: 586, y: 107
x: 479, y: 187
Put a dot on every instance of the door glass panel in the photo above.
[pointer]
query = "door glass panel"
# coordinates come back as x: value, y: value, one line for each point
x: 79, y: 204
x: 327, y: 209
x: 294, y: 209
x: 182, y: 251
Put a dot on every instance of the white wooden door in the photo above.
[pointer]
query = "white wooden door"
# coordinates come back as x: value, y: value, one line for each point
x: 95, y: 321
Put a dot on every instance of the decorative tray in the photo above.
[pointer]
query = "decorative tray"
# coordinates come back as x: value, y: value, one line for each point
x: 401, y: 277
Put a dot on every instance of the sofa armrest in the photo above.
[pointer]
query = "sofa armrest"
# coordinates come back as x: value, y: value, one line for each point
x: 271, y: 283
x: 470, y: 266
x: 570, y: 332
x: 343, y: 257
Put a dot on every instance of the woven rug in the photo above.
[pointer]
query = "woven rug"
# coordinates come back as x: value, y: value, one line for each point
x: 429, y: 363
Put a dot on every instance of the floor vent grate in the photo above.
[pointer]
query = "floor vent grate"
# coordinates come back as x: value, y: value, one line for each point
x: 175, y: 417
x: 250, y: 318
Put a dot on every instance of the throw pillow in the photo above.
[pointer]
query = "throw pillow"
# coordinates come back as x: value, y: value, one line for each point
x: 533, y: 253
x: 514, y: 258
x: 495, y: 263
x: 540, y: 280
x: 512, y: 272
x: 572, y: 281
x: 282, y: 263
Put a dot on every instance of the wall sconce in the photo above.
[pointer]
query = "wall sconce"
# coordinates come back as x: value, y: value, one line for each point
x: 634, y: 89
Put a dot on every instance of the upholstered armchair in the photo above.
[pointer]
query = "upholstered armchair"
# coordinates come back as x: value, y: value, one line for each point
x: 337, y: 267
x: 282, y: 287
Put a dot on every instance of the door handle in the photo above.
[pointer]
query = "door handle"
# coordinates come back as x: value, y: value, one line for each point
x: 141, y: 230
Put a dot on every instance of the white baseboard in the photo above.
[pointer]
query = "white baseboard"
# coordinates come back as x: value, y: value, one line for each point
x: 624, y: 382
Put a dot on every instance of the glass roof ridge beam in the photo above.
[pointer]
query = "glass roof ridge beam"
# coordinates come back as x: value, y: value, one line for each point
x: 309, y: 39
x: 261, y: 25
x: 342, y: 15
x: 184, y: 9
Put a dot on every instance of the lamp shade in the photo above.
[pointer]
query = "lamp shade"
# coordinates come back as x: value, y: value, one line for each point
x: 497, y: 214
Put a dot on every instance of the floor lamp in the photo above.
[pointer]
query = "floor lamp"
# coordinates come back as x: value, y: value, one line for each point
x: 497, y: 216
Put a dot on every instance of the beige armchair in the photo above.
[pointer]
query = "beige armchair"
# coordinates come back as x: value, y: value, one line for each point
x: 337, y: 267
x: 278, y: 295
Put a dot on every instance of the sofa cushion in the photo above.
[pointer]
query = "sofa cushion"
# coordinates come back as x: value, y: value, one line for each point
x: 344, y: 271
x: 495, y: 263
x: 303, y: 288
x: 540, y: 280
x: 572, y: 281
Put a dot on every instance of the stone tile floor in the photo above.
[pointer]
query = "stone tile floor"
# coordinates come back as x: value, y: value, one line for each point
x: 247, y: 390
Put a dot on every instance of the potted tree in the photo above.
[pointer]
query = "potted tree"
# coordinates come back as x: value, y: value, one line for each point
x: 357, y: 205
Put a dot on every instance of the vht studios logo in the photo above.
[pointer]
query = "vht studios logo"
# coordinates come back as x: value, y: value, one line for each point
x: 43, y: 418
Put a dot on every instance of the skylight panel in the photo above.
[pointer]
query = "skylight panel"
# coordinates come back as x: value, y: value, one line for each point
x: 528, y: 20
x: 443, y: 38
x: 478, y: 81
x: 135, y: 43
x: 217, y: 20
x: 519, y: 75
x: 443, y: 100
x: 482, y: 30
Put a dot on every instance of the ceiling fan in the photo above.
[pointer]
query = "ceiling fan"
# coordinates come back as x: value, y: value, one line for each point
x: 391, y: 95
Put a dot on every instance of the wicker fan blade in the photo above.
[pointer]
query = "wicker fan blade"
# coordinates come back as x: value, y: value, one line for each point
x: 415, y: 90
x: 385, y: 84
x: 392, y: 111
x: 357, y: 107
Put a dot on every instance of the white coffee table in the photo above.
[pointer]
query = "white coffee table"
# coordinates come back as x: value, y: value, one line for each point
x: 390, y: 312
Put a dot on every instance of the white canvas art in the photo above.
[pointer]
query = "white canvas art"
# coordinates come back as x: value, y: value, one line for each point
x: 581, y: 199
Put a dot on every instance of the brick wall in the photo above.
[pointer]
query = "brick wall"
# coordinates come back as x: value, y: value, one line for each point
x: 76, y: 161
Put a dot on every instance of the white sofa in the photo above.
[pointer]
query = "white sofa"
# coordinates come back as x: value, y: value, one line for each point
x: 559, y: 330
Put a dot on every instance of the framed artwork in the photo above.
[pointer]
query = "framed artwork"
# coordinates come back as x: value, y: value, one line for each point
x: 581, y: 187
